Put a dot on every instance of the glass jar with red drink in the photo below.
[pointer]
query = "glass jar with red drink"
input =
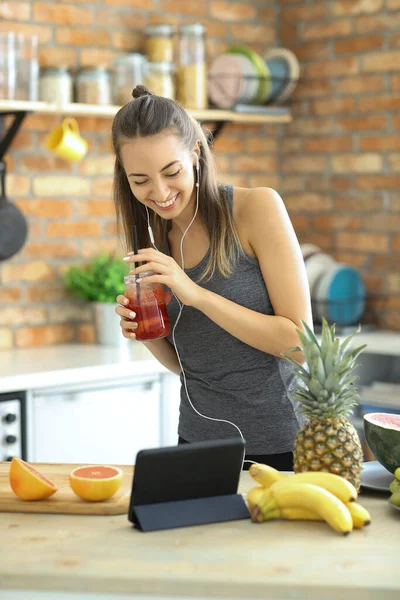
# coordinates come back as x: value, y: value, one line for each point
x: 149, y: 302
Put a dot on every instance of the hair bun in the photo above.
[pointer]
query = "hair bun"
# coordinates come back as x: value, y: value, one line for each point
x: 141, y: 90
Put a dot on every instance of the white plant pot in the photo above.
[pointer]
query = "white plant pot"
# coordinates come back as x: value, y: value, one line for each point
x: 108, y: 329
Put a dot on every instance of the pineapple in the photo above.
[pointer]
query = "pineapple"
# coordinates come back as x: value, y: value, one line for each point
x: 326, y: 394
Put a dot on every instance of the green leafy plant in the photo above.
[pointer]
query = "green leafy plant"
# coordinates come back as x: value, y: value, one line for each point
x: 100, y: 280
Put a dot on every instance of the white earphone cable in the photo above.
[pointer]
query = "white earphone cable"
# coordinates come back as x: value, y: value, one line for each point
x: 181, y: 306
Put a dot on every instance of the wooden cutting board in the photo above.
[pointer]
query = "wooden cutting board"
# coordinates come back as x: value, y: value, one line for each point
x: 64, y: 501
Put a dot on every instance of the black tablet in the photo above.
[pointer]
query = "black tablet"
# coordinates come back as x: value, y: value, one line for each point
x: 187, y: 484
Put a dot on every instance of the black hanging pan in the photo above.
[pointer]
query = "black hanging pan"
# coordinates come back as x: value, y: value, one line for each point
x: 13, y: 226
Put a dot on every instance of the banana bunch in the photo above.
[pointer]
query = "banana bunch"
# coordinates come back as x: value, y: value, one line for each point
x: 314, y: 496
x: 395, y: 488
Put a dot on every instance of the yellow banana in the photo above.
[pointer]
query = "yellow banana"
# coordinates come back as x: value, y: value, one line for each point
x: 265, y: 475
x: 336, y: 485
x: 299, y: 514
x: 397, y: 473
x: 359, y: 514
x: 310, y: 497
x: 253, y: 495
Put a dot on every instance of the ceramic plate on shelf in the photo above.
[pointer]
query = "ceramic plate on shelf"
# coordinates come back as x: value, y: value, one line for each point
x: 375, y: 477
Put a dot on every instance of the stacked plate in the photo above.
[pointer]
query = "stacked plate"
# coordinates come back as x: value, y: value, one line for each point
x: 285, y: 70
x: 337, y: 290
x: 239, y: 76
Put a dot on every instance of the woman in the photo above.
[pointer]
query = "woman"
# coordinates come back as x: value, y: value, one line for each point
x: 243, y: 287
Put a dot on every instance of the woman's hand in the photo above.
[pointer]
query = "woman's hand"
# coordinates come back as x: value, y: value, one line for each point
x: 168, y: 272
x: 128, y: 325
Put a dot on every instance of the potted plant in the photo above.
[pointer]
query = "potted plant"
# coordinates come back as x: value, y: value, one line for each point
x: 100, y: 281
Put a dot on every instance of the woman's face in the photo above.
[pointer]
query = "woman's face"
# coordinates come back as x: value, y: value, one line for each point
x: 160, y: 173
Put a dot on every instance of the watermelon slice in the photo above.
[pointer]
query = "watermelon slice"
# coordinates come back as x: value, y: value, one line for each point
x: 382, y: 432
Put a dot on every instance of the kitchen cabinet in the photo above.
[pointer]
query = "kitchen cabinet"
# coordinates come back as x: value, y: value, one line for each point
x: 105, y: 422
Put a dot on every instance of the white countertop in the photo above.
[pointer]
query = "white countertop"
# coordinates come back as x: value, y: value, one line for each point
x: 37, y: 368
x: 34, y: 368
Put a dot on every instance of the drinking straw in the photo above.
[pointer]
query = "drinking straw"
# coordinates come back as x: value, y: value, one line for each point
x: 135, y: 248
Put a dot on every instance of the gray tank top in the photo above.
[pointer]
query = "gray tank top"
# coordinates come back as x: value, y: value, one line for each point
x: 226, y: 378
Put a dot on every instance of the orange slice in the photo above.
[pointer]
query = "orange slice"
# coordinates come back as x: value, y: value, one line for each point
x: 27, y: 483
x: 95, y: 482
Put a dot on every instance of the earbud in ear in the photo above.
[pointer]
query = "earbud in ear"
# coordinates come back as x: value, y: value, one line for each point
x: 197, y: 168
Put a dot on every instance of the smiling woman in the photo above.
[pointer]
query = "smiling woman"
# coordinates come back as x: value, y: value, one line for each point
x: 234, y: 265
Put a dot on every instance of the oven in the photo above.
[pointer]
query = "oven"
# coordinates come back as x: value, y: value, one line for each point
x: 13, y: 440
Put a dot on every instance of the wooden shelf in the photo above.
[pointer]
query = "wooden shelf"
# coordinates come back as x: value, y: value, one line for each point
x: 108, y: 111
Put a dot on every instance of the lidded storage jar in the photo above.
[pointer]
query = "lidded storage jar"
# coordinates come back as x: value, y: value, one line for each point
x: 159, y: 43
x: 127, y: 72
x: 93, y: 86
x: 192, y: 69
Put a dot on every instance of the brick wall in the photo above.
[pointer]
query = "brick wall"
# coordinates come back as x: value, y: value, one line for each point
x: 340, y: 157
x: 68, y: 207
x: 336, y: 166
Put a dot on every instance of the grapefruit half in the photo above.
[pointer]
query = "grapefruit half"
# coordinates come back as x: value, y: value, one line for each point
x: 95, y: 482
x: 27, y: 483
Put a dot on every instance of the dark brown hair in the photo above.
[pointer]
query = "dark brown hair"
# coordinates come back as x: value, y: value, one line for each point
x: 149, y: 115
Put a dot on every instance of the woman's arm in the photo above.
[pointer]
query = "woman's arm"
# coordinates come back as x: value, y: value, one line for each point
x: 273, y: 240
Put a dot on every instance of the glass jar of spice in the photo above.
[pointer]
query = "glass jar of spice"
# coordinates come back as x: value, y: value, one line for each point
x: 128, y: 71
x: 55, y: 85
x: 159, y: 79
x: 159, y: 43
x: 192, y: 69
x: 93, y: 86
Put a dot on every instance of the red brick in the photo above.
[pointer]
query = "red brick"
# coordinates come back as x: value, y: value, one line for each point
x: 360, y: 84
x: 287, y: 33
x: 359, y: 44
x: 73, y: 229
x: 22, y: 141
x: 251, y: 164
x: 226, y: 11
x: 328, y: 30
x: 300, y: 222
x: 310, y: 50
x: 6, y: 338
x: 13, y: 315
x: 396, y: 242
x: 393, y: 4
x: 93, y: 247
x: 369, y: 123
x: 44, y: 163
x: 102, y: 187
x: 309, y: 126
x: 292, y: 183
x: 265, y: 180
x: 394, y: 40
x: 44, y: 336
x: 336, y: 221
x: 228, y: 145
x: 381, y: 61
x: 395, y: 82
x: 82, y: 37
x: 182, y: 7
x: 367, y: 242
x: 44, y: 33
x: 262, y: 145
x: 111, y: 228
x: 328, y: 144
x: 93, y: 165
x: 307, y: 202
x: 60, y: 56
x: 304, y: 164
x: 365, y: 203
x: 291, y: 145
x: 377, y: 182
x: 119, y: 17
x: 261, y: 33
x: 96, y: 208
x: 393, y: 283
x: 321, y: 87
x: 37, y: 270
x: 99, y: 58
x: 63, y: 185
x: 304, y: 12
x: 64, y: 15
x: 332, y: 68
x: 379, y: 143
x: 331, y: 106
x: 18, y: 185
x: 51, y: 250
x: 357, y: 163
x: 384, y: 222
x: 10, y: 294
x: 46, y: 208
x: 373, y: 23
x: 394, y: 160
x: 138, y: 4
x: 354, y: 259
x: 379, y: 102
x: 355, y: 7
x: 126, y: 40
x: 46, y: 293
x: 20, y: 11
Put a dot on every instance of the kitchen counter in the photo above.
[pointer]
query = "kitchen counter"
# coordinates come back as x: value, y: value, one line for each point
x: 32, y: 368
x: 239, y: 559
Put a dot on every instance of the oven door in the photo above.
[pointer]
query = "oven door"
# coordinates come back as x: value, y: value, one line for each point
x: 13, y: 425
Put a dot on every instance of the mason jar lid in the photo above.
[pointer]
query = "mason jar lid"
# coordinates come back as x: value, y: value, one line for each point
x: 131, y: 279
x: 192, y: 29
x: 134, y: 59
x: 162, y: 66
x: 163, y: 30
x: 55, y: 71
